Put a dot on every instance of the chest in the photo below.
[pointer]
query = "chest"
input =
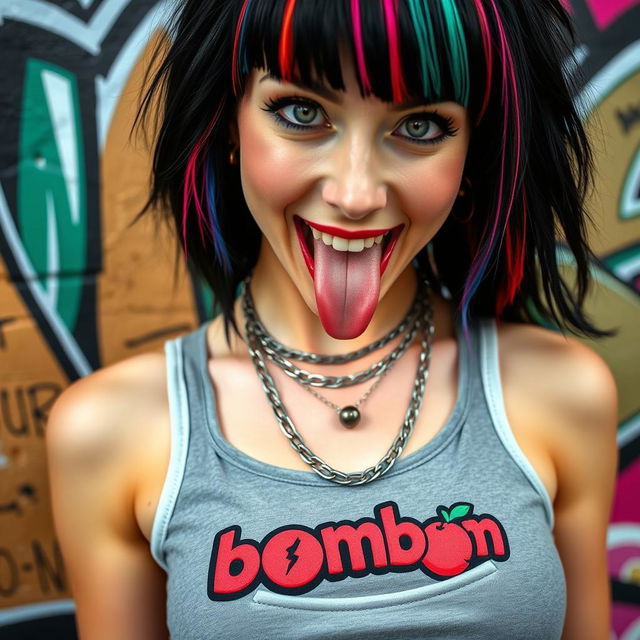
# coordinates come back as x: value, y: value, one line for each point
x: 247, y: 419
x: 247, y: 422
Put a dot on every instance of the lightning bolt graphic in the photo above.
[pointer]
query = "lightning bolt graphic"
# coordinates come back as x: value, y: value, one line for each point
x: 291, y: 555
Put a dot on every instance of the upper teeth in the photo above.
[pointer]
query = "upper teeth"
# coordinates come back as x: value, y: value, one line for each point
x: 342, y: 244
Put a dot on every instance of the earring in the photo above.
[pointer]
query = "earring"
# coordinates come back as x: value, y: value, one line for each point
x: 465, y: 193
x: 233, y: 155
x: 466, y: 188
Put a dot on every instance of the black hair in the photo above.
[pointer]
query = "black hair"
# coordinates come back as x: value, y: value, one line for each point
x: 545, y: 157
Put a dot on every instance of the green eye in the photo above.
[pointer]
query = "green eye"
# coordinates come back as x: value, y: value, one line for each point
x: 304, y: 113
x: 418, y: 127
x: 297, y: 113
x: 425, y: 128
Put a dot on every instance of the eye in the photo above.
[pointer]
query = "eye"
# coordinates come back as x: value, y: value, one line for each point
x: 302, y: 114
x: 425, y: 128
x: 296, y: 113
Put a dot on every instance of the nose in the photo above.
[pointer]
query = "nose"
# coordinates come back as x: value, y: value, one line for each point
x: 352, y: 184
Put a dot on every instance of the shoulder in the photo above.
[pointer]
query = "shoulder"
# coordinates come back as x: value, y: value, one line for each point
x: 571, y: 378
x: 103, y: 419
x: 565, y: 391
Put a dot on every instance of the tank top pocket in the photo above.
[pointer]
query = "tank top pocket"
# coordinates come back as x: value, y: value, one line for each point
x: 383, y: 600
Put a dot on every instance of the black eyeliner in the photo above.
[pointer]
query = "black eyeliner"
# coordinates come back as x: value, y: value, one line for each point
x: 273, y: 105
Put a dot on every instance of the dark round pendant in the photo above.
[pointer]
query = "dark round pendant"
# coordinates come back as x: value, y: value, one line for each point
x: 349, y: 416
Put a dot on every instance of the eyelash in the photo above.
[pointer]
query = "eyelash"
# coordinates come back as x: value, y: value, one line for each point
x: 273, y: 105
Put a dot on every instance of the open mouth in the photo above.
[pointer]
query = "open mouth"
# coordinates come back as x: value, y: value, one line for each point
x: 341, y: 240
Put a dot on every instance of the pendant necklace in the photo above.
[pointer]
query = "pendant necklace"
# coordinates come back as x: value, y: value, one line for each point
x: 317, y: 464
x: 349, y: 415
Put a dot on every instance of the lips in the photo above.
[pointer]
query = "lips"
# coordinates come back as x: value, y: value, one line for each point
x: 343, y: 240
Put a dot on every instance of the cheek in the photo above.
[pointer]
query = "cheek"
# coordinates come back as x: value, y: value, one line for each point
x: 429, y: 192
x: 270, y: 168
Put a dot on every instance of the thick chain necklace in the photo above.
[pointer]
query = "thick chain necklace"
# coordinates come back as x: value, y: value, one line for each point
x: 424, y: 322
x: 349, y: 415
x: 275, y: 351
x: 268, y: 341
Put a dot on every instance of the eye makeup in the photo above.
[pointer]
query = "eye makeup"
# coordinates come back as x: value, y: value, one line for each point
x: 275, y: 106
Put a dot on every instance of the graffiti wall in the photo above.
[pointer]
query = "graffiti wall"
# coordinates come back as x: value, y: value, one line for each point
x: 80, y: 288
x: 610, y: 104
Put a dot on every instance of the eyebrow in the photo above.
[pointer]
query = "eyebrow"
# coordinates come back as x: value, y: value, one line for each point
x: 322, y: 90
x: 315, y: 87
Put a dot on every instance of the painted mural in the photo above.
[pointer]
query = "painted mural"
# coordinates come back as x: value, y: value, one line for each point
x: 81, y: 288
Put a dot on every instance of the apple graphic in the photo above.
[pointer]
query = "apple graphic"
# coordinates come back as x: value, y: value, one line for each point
x: 449, y: 547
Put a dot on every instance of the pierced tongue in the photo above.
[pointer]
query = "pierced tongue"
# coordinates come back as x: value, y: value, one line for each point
x: 347, y: 286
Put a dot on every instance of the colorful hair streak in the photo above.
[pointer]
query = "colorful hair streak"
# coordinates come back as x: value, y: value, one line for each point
x: 191, y: 192
x: 220, y: 248
x: 488, y: 56
x: 515, y: 253
x: 456, y: 49
x: 357, y: 41
x: 488, y: 245
x: 426, y: 43
x: 285, y: 50
x: 391, y: 20
x: 457, y: 46
x: 238, y: 47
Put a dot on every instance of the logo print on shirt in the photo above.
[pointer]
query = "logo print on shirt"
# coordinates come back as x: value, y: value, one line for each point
x: 295, y: 559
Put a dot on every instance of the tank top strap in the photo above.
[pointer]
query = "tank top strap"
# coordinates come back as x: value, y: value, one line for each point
x: 195, y: 355
x: 186, y: 357
x: 490, y: 385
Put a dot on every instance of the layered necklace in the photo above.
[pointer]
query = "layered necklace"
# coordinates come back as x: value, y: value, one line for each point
x: 260, y: 343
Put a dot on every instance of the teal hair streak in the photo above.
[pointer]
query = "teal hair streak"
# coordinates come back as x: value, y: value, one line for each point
x: 456, y: 48
x: 427, y: 43
x: 458, y: 60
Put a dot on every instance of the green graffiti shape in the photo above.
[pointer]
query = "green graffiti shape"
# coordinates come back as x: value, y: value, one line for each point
x: 51, y: 186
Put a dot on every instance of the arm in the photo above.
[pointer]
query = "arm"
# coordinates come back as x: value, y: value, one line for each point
x: 118, y: 588
x: 585, y: 455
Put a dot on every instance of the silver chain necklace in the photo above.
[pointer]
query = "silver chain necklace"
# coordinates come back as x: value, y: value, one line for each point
x: 317, y: 464
x: 275, y: 351
x: 349, y: 415
x: 268, y: 341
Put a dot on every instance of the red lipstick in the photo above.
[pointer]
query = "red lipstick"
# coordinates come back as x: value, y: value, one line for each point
x: 349, y: 235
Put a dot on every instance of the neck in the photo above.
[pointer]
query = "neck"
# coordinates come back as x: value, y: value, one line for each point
x: 288, y: 317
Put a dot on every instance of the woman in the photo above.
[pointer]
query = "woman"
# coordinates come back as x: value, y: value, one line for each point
x: 385, y: 183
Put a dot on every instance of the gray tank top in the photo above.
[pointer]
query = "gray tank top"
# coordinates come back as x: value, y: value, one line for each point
x: 455, y: 541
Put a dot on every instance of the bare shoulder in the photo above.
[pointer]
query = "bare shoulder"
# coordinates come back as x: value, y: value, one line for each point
x: 102, y: 437
x: 101, y: 418
x: 560, y: 374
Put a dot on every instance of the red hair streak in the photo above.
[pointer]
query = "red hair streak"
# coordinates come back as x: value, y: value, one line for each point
x: 285, y: 52
x: 235, y: 71
x: 391, y: 19
x: 515, y: 251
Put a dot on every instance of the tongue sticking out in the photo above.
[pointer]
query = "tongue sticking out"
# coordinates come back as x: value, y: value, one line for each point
x: 347, y: 286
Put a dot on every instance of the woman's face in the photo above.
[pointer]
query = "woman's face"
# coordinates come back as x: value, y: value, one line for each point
x: 326, y: 173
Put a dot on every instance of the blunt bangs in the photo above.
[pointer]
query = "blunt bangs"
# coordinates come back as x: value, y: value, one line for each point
x: 400, y: 50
